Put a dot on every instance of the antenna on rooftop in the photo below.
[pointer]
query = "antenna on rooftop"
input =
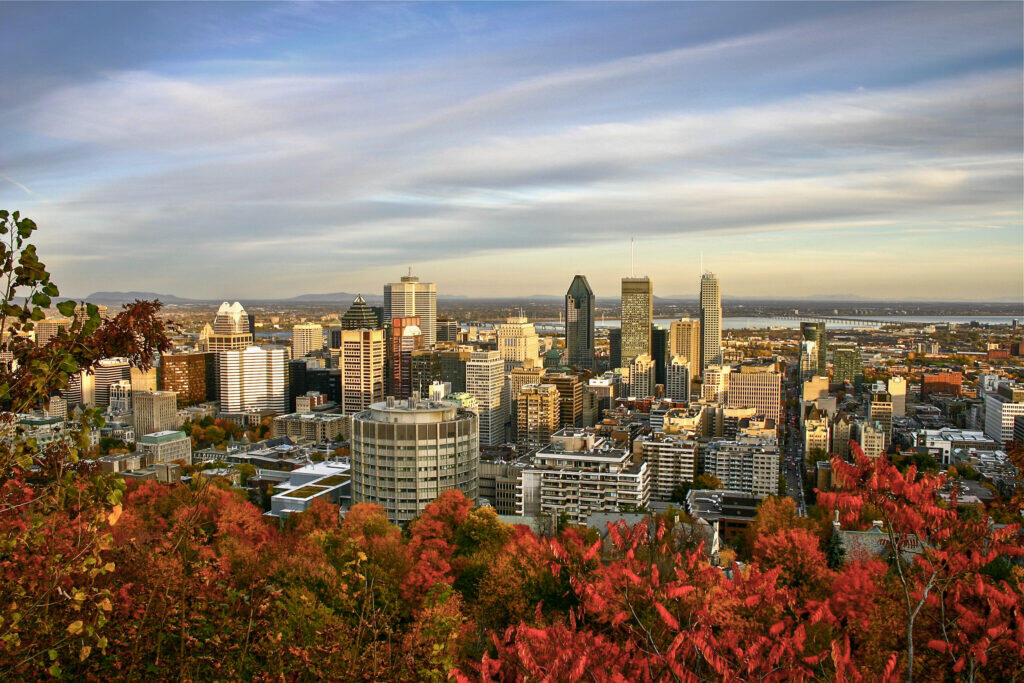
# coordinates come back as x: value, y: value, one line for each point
x: 632, y: 257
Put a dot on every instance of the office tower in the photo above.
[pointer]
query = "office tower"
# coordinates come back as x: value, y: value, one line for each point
x: 49, y: 328
x: 660, y: 352
x: 359, y: 316
x: 407, y: 453
x: 897, y: 387
x: 361, y: 360
x: 154, y: 411
x: 710, y: 321
x: 409, y: 298
x: 641, y: 377
x: 518, y: 343
x: 758, y: 387
x: 579, y: 474
x: 874, y: 438
x: 230, y: 330
x: 637, y: 318
x: 614, y: 348
x: 485, y: 379
x: 306, y: 337
x: 672, y: 458
x: 880, y: 410
x: 447, y: 330
x: 405, y: 337
x: 106, y: 372
x: 251, y: 319
x: 715, y: 387
x: 192, y: 376
x: 1001, y: 409
x: 439, y: 365
x: 814, y: 388
x: 120, y: 396
x: 539, y: 412
x: 579, y: 324
x: 81, y: 389
x: 570, y: 393
x: 846, y: 364
x: 748, y: 464
x: 255, y: 378
x: 815, y: 332
x: 684, y: 340
x: 677, y: 379
x: 143, y: 380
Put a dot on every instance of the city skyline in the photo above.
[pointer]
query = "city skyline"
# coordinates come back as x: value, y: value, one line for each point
x: 501, y: 148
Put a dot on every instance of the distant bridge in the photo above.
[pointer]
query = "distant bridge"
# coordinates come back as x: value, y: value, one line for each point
x: 863, y: 322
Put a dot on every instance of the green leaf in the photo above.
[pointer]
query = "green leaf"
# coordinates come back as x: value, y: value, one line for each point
x: 40, y: 299
x: 50, y: 289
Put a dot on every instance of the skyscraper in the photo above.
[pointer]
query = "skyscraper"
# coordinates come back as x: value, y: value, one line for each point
x: 518, y: 343
x: 405, y: 338
x: 306, y: 337
x: 579, y: 324
x: 230, y: 330
x: 815, y: 332
x: 192, y: 376
x: 409, y: 298
x: 255, y: 378
x: 684, y: 340
x: 359, y: 316
x: 154, y: 411
x: 637, y: 318
x: 677, y: 382
x: 539, y: 413
x: 710, y: 321
x: 485, y: 379
x: 846, y: 364
x: 361, y: 362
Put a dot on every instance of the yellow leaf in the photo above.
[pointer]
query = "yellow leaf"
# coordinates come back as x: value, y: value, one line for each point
x: 84, y: 652
x: 75, y: 627
x: 105, y: 605
x: 114, y: 515
x: 108, y: 567
x: 362, y: 556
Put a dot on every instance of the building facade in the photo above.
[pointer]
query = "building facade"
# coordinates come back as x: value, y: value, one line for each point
x: 361, y: 362
x: 255, y: 378
x: 636, y: 319
x: 306, y: 337
x: 684, y: 341
x: 485, y: 379
x: 539, y: 413
x: 710, y: 321
x: 579, y: 324
x: 409, y: 298
x: 758, y: 387
x: 154, y: 411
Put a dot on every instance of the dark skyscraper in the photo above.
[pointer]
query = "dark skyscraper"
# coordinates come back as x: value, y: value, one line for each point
x: 815, y: 332
x: 579, y: 324
x: 359, y: 316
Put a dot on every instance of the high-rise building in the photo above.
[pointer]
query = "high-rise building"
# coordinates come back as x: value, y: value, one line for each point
x: 518, y: 343
x: 660, y: 352
x: 579, y: 324
x: 615, y: 348
x: 56, y: 406
x: 447, y: 330
x: 143, y: 380
x: 880, y: 410
x: 120, y: 396
x: 747, y: 463
x: 816, y: 363
x: 230, y: 331
x: 49, y: 328
x: 306, y: 337
x: 154, y: 411
x: 81, y: 389
x: 758, y: 387
x: 485, y: 379
x: 637, y: 318
x: 846, y: 364
x: 255, y: 378
x: 684, y: 340
x: 539, y: 408
x: 570, y: 392
x: 710, y: 321
x: 673, y: 460
x: 409, y: 298
x: 677, y: 379
x: 641, y: 377
x: 361, y: 359
x: 106, y: 372
x: 404, y: 338
x: 440, y: 365
x: 897, y: 387
x: 1001, y: 409
x: 407, y: 453
x: 192, y: 376
x: 359, y: 316
x: 715, y: 387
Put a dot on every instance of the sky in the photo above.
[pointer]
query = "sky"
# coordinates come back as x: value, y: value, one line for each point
x: 269, y: 150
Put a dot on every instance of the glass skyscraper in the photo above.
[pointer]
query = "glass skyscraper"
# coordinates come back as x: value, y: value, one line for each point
x: 579, y: 324
x: 710, y: 320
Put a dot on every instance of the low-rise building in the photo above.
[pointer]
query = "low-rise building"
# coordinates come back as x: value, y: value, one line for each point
x: 165, y: 446
x: 315, y: 427
x: 330, y: 480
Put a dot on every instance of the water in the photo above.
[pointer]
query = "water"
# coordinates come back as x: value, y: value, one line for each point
x: 764, y: 323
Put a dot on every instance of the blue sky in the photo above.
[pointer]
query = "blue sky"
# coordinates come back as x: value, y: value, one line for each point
x: 263, y: 150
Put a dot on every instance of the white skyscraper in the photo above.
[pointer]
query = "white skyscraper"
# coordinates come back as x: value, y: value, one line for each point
x: 710, y: 320
x: 485, y: 379
x: 306, y: 337
x: 518, y: 343
x: 898, y: 390
x: 412, y: 298
x: 677, y: 379
x: 255, y: 378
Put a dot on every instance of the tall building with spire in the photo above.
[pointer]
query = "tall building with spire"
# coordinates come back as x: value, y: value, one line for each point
x: 637, y: 318
x: 710, y: 320
x: 412, y: 298
x: 579, y: 324
x: 359, y: 316
x: 230, y: 330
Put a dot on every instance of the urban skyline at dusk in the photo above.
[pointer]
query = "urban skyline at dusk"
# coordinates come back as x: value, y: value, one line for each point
x: 264, y: 151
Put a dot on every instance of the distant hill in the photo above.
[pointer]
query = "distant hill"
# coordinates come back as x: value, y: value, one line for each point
x: 126, y: 297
